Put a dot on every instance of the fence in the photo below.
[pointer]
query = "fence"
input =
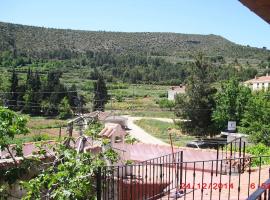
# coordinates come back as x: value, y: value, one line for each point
x: 150, y: 179
x: 262, y: 192
x: 235, y: 178
x: 230, y: 150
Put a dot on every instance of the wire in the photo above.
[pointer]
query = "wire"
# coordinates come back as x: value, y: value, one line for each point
x: 39, y: 92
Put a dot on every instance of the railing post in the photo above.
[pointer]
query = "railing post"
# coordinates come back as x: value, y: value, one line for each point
x: 244, y: 154
x: 217, y: 159
x: 98, y: 182
x: 181, y: 169
x: 240, y: 147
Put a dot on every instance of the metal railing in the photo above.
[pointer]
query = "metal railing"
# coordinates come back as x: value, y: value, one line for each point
x: 237, y: 178
x: 150, y: 179
x: 263, y: 192
x: 230, y: 150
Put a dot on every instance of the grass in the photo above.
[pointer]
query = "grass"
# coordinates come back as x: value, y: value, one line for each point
x: 153, y: 114
x: 159, y: 130
x: 33, y: 138
x: 140, y: 90
x: 40, y: 129
x: 44, y: 123
x: 139, y: 100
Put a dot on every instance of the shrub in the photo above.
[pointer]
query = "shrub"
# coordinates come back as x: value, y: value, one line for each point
x: 165, y: 103
x: 41, y: 137
x: 259, y: 150
x: 65, y: 109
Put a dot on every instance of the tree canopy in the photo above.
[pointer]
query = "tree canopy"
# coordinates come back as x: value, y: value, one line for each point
x: 255, y: 121
x: 231, y: 100
x: 195, y: 107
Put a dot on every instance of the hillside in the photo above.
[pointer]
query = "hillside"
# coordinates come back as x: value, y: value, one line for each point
x: 40, y: 42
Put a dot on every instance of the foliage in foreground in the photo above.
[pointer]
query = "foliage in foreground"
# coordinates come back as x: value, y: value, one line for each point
x: 11, y: 124
x: 70, y: 176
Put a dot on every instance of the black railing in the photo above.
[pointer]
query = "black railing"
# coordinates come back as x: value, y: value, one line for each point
x: 237, y: 178
x: 150, y: 179
x: 231, y: 150
x: 263, y: 192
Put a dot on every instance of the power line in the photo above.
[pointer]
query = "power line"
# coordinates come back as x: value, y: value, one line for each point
x: 43, y: 92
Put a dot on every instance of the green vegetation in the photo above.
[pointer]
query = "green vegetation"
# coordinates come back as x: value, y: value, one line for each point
x: 100, y: 94
x: 11, y: 125
x: 165, y: 103
x: 40, y: 67
x: 160, y: 130
x: 94, y: 129
x: 259, y: 150
x: 65, y: 110
x: 231, y: 101
x: 256, y: 118
x: 196, y: 105
x: 63, y: 43
x: 71, y: 176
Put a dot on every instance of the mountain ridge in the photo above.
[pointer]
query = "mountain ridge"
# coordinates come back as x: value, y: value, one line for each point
x: 37, y: 41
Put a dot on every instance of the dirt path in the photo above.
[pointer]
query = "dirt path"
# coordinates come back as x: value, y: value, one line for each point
x: 140, y: 134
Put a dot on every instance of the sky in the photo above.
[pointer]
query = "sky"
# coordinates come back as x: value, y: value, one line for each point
x: 228, y: 18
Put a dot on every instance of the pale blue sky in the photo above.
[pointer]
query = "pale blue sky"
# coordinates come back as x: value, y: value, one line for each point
x: 228, y: 18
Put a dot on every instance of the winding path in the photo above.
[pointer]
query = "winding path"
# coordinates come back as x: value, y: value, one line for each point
x: 140, y: 134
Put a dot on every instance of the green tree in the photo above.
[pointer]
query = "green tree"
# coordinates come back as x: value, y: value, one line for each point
x: 14, y: 89
x: 32, y: 96
x: 11, y: 125
x: 54, y: 93
x: 65, y: 110
x: 231, y: 101
x: 197, y: 104
x: 101, y: 96
x: 255, y: 121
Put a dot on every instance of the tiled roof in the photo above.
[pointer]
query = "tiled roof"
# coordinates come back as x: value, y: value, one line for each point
x: 112, y: 129
x: 178, y: 88
x: 261, y: 79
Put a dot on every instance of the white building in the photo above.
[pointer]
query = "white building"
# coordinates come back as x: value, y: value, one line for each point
x: 259, y: 83
x: 174, y: 90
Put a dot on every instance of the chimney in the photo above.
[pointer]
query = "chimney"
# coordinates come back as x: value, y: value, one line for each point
x: 256, y: 77
x: 267, y: 74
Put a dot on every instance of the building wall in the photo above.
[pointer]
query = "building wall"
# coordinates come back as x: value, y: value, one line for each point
x: 172, y: 94
x: 260, y: 86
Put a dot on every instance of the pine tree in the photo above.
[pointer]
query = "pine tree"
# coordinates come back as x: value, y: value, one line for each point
x: 14, y: 88
x: 54, y: 93
x: 101, y: 96
x: 197, y: 104
x: 32, y: 96
x: 73, y: 96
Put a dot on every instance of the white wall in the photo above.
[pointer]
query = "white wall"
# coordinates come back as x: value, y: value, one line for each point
x: 171, y: 94
x: 260, y: 86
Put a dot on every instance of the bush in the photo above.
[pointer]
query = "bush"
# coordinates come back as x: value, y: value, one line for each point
x: 65, y: 109
x: 259, y: 150
x: 163, y: 95
x: 41, y: 137
x: 119, y: 98
x: 165, y: 103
